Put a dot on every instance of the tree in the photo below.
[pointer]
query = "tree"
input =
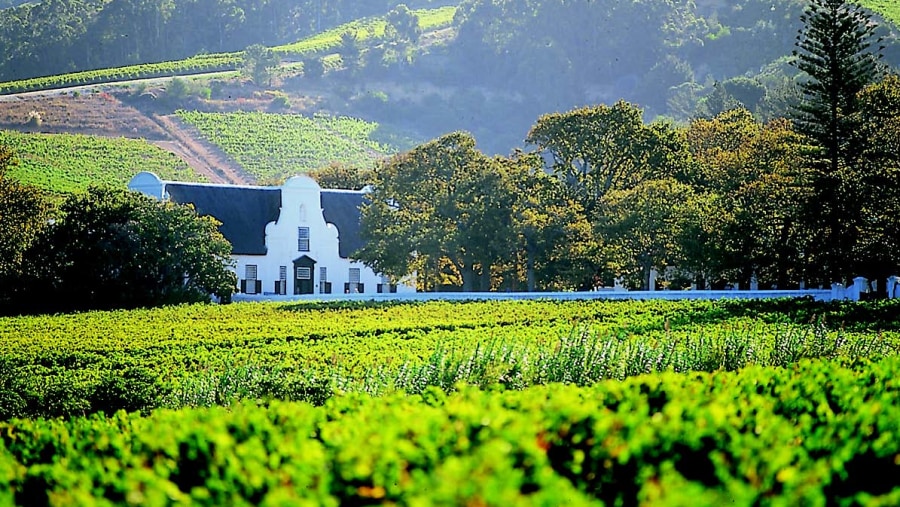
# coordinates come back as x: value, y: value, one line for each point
x: 350, y: 51
x: 313, y: 68
x: 598, y: 149
x: 403, y: 24
x: 260, y: 63
x: 749, y: 171
x: 876, y: 255
x: 834, y: 50
x: 553, y: 235
x: 120, y: 249
x: 443, y: 203
x: 23, y: 214
x: 642, y: 227
x: 341, y: 175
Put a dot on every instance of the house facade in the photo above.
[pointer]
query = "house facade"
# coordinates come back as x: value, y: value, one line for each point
x: 293, y: 239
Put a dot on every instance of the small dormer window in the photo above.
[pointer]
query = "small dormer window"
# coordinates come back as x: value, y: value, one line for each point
x: 303, y: 239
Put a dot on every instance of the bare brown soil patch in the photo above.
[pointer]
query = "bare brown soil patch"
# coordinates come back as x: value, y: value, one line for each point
x: 122, y: 112
x: 100, y: 114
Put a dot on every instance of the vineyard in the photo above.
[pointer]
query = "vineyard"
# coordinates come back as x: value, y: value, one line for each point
x: 887, y: 8
x: 275, y: 146
x: 364, y: 30
x: 194, y: 65
x: 429, y: 19
x: 64, y: 163
x: 489, y: 403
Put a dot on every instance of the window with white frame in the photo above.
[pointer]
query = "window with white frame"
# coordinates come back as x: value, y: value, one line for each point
x: 323, y: 280
x: 303, y: 239
x: 304, y: 273
x: 250, y: 273
x: 354, y: 275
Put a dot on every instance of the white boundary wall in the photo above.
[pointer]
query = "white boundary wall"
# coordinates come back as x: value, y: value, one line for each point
x: 820, y: 295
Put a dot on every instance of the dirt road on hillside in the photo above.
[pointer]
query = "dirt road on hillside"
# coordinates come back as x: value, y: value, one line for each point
x: 100, y: 113
x: 205, y: 158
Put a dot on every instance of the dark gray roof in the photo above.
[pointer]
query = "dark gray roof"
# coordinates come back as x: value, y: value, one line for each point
x: 243, y: 211
x: 341, y: 208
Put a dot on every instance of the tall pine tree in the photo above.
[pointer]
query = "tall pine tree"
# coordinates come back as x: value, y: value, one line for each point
x: 835, y: 51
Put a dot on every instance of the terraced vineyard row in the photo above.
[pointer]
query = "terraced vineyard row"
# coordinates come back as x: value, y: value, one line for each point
x: 71, y: 162
x: 374, y: 28
x: 887, y: 8
x: 816, y: 433
x: 194, y: 65
x: 788, y: 402
x: 429, y: 19
x: 276, y: 146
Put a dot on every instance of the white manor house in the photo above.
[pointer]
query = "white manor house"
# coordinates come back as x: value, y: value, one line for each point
x: 293, y: 239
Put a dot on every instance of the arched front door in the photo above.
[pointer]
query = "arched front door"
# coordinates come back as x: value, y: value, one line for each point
x: 304, y: 272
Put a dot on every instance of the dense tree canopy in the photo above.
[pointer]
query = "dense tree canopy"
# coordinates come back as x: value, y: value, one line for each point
x: 120, y: 249
x: 441, y: 201
x: 835, y: 52
x: 23, y: 213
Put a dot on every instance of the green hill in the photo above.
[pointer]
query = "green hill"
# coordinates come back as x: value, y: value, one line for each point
x: 890, y: 9
x: 71, y: 162
x: 272, y: 146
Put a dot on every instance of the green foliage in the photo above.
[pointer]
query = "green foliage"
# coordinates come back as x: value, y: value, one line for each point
x: 23, y: 212
x: 63, y: 163
x: 120, y: 249
x: 277, y: 146
x: 835, y: 50
x: 443, y: 201
x: 750, y: 175
x: 206, y: 355
x: 259, y: 63
x: 603, y: 148
x: 890, y: 10
x: 809, y: 434
x: 339, y: 175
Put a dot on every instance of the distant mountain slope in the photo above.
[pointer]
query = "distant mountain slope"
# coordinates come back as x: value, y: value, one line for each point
x: 59, y: 36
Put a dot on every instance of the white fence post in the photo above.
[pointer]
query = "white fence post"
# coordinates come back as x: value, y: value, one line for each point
x: 837, y: 292
x: 653, y: 275
x: 893, y: 287
x: 858, y: 288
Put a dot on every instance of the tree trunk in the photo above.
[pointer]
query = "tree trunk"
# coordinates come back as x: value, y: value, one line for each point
x: 529, y: 272
x: 485, y: 277
x: 468, y: 277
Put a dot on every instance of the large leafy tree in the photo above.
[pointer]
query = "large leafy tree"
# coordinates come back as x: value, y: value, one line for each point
x: 120, y: 249
x: 554, y: 244
x: 642, y: 227
x: 595, y: 150
x: 442, y: 204
x: 750, y: 171
x: 23, y: 213
x: 835, y: 51
x: 877, y: 181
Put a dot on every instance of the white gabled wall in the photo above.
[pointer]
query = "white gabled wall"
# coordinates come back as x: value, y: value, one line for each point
x: 301, y: 206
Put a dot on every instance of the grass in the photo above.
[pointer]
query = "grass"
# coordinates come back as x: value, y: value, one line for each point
x: 64, y: 163
x: 890, y: 9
